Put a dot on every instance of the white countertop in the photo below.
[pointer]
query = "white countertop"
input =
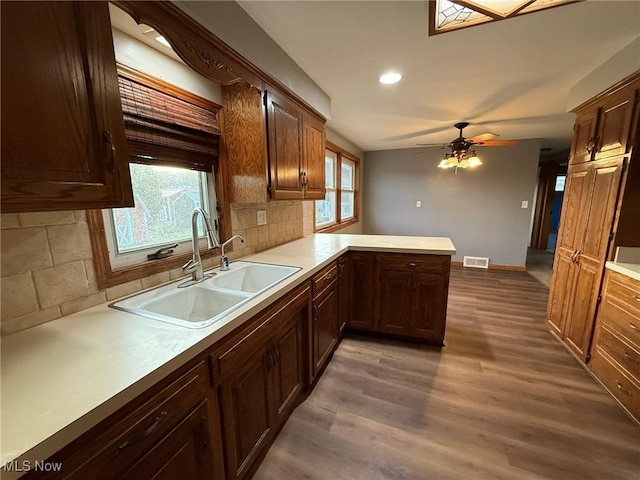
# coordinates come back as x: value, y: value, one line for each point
x: 629, y: 269
x: 61, y: 378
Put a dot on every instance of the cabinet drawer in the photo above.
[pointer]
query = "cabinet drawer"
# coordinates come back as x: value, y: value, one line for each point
x: 625, y: 291
x: 326, y: 276
x: 622, y: 353
x: 616, y: 382
x: 110, y: 452
x: 618, y: 319
x: 417, y: 263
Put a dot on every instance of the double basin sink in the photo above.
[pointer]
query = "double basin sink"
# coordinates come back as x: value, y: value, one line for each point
x: 202, y: 304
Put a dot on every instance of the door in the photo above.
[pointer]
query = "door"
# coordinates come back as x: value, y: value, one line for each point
x: 245, y: 404
x: 288, y: 373
x: 63, y: 143
x: 365, y: 283
x: 429, y: 306
x: 283, y: 138
x: 584, y: 136
x: 313, y: 157
x: 183, y: 453
x: 396, y: 292
x: 345, y: 291
x: 325, y: 325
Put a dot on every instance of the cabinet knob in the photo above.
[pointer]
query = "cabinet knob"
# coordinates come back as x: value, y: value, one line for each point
x: 637, y: 298
x: 622, y: 389
x: 633, y: 326
x: 412, y: 264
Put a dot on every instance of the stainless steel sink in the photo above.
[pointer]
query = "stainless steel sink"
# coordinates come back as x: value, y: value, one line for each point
x: 203, y: 304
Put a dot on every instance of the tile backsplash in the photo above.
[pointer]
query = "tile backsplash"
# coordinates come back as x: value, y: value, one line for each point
x: 47, y: 263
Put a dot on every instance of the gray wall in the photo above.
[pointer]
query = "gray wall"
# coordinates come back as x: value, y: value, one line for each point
x: 479, y: 209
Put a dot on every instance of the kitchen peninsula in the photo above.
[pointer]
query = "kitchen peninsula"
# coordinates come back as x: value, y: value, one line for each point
x: 105, y: 387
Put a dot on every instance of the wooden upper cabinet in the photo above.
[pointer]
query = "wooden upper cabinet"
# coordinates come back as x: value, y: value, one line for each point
x: 603, y: 126
x: 615, y: 124
x: 313, y: 157
x: 63, y: 143
x: 283, y: 137
x: 296, y: 150
x: 584, y: 136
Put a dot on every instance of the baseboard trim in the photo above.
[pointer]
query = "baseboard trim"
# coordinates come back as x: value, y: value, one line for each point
x: 494, y: 266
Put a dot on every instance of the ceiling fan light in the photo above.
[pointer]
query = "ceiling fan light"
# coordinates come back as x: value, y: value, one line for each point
x: 473, y: 160
x: 445, y: 163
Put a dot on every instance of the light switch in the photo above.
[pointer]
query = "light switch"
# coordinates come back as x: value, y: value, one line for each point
x: 418, y: 203
x: 262, y: 217
x: 525, y: 204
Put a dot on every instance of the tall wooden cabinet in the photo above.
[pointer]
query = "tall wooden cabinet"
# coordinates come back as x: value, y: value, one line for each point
x: 63, y: 141
x: 603, y: 136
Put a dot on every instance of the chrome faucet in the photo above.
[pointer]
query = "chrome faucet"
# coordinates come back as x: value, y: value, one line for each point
x: 224, y: 260
x: 194, y: 266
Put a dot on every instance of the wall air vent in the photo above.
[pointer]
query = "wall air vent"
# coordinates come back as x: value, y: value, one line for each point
x: 476, y: 262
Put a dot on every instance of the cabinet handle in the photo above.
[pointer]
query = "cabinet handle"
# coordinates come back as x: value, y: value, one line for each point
x: 578, y: 252
x: 573, y: 256
x: 111, y: 164
x: 412, y: 264
x: 633, y: 326
x: 622, y: 389
x: 327, y: 276
x: 303, y: 179
x: 156, y: 422
x: 637, y: 298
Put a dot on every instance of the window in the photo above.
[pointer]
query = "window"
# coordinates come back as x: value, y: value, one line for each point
x: 339, y: 206
x: 560, y: 179
x: 172, y: 140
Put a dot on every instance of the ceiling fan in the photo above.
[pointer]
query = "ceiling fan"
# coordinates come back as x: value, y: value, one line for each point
x: 462, y: 153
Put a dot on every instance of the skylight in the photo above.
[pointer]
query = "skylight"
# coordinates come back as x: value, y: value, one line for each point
x: 448, y: 15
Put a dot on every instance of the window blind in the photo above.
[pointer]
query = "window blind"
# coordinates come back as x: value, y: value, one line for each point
x: 163, y: 129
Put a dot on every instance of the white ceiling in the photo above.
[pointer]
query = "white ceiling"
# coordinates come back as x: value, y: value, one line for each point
x: 511, y: 77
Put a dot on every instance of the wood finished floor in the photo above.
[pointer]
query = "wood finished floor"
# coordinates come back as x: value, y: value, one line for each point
x: 503, y: 400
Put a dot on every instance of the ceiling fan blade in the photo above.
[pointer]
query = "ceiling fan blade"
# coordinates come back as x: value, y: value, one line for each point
x: 483, y: 138
x: 441, y: 145
x: 498, y: 143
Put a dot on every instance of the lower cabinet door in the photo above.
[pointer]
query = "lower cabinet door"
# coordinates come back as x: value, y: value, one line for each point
x: 289, y: 368
x: 245, y: 406
x: 429, y: 306
x: 561, y: 291
x: 581, y: 316
x: 365, y: 291
x: 395, y: 302
x: 325, y: 326
x: 183, y: 453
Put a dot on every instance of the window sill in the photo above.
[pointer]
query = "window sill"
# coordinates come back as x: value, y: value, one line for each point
x: 337, y: 226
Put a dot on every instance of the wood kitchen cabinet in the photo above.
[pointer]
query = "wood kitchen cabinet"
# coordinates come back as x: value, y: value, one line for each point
x: 172, y: 428
x: 365, y: 288
x: 588, y: 213
x: 63, y: 140
x: 413, y: 293
x: 603, y: 129
x: 601, y: 174
x: 325, y: 316
x: 275, y: 152
x: 616, y: 351
x: 259, y: 374
x: 295, y: 141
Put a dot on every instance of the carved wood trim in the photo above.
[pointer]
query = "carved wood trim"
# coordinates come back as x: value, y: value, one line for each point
x: 202, y: 50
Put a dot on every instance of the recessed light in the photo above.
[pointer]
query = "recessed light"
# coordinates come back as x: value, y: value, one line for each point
x: 391, y: 77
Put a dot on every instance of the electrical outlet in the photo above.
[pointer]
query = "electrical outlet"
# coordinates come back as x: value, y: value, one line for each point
x: 525, y: 204
x: 262, y: 217
x: 418, y: 203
